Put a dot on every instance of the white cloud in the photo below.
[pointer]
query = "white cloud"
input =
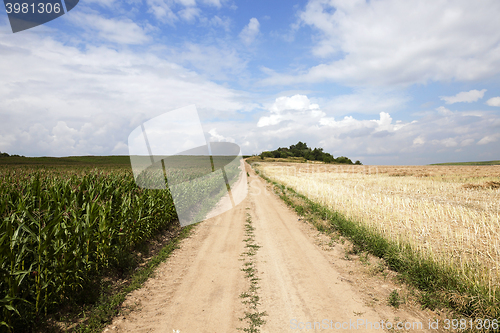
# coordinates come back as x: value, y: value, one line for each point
x: 444, y: 111
x: 392, y: 42
x: 349, y: 124
x: 59, y: 100
x: 216, y: 137
x: 296, y: 102
x: 449, y: 142
x: 170, y: 11
x: 250, y: 31
x: 466, y: 142
x: 121, y: 31
x: 489, y: 139
x: 216, y: 21
x: 162, y: 11
x: 103, y: 3
x: 216, y: 3
x: 189, y: 14
x: 433, y: 137
x: 218, y: 62
x: 187, y: 3
x: 297, y: 108
x: 418, y: 141
x: 464, y: 96
x: 495, y: 101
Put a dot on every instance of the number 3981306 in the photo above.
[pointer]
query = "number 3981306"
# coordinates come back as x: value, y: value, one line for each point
x: 25, y: 8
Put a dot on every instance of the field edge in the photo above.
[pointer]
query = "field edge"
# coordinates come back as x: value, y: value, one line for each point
x: 440, y: 286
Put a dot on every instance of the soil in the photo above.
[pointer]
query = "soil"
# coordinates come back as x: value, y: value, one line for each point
x: 305, y: 277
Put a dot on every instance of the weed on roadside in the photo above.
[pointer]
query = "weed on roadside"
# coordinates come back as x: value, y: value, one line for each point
x: 394, y: 299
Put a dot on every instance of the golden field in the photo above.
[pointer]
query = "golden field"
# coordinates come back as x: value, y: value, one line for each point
x: 451, y: 213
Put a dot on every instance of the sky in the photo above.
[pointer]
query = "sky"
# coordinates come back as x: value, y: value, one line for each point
x: 386, y: 82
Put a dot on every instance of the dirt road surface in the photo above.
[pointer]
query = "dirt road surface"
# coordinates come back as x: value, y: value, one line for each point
x: 198, y: 288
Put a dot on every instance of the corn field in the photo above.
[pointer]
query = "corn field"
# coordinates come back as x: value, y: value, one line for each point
x: 61, y: 228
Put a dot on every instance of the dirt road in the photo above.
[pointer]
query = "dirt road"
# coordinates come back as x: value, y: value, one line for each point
x: 197, y: 290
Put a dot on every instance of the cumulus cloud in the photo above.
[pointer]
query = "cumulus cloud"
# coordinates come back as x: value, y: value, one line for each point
x: 427, y: 138
x: 391, y: 42
x: 297, y: 108
x: 250, y: 31
x: 296, y: 102
x: 495, y: 101
x: 453, y: 134
x: 464, y: 96
x: 216, y: 137
x: 60, y: 100
x: 384, y: 123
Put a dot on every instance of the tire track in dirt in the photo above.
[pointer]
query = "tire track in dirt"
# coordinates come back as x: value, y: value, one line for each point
x: 198, y: 288
x: 297, y: 281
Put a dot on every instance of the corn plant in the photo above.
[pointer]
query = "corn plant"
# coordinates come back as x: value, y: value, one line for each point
x: 61, y: 228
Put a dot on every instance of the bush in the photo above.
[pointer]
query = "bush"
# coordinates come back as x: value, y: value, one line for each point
x: 343, y: 160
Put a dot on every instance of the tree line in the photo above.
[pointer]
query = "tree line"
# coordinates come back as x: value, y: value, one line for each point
x: 302, y: 150
x: 7, y: 155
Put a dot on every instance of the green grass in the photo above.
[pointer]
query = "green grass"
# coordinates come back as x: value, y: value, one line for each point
x: 470, y: 163
x: 394, y: 299
x: 439, y: 285
x: 251, y: 298
x: 253, y: 159
x: 103, y: 312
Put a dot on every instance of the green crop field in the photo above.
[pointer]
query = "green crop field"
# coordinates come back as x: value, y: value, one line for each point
x: 91, y: 161
x: 61, y: 227
x: 65, y: 221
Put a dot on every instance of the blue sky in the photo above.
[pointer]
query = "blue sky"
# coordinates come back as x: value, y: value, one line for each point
x: 385, y: 81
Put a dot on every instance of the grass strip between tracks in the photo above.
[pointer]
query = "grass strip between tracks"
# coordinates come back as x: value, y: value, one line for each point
x: 440, y: 286
x: 251, y: 298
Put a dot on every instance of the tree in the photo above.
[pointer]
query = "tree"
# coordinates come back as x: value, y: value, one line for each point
x: 266, y: 154
x: 328, y: 158
x: 317, y: 154
x: 343, y: 159
x: 302, y: 150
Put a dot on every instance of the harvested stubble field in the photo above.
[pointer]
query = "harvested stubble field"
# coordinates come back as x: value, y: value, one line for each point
x: 448, y: 213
